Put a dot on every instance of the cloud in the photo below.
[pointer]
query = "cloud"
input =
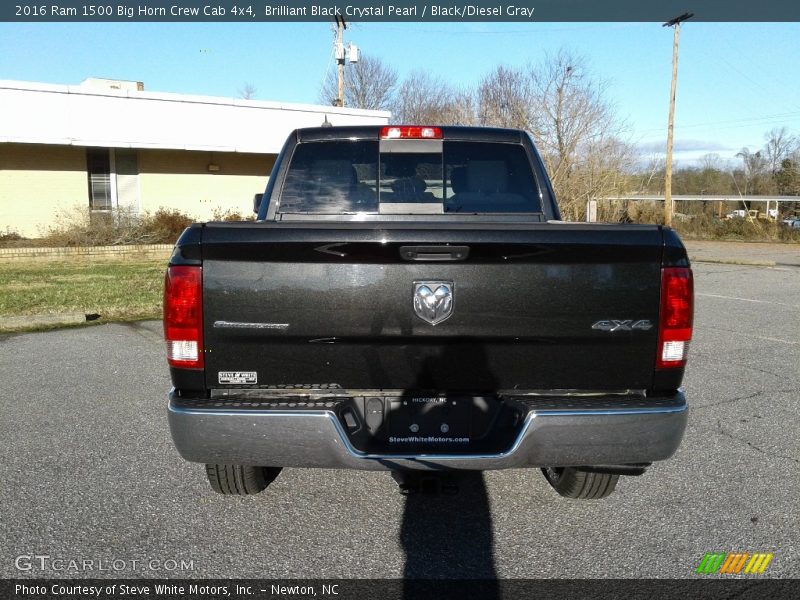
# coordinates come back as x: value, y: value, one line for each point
x: 685, y: 146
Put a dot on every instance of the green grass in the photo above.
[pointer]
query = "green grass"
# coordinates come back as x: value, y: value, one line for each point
x: 118, y: 290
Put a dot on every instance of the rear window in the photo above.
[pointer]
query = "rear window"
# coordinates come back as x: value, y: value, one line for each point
x: 332, y: 178
x: 351, y: 177
x: 489, y: 178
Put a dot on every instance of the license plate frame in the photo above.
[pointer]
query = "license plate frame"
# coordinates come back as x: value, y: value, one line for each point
x: 430, y: 419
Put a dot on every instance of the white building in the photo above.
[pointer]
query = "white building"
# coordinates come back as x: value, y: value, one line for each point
x: 109, y: 144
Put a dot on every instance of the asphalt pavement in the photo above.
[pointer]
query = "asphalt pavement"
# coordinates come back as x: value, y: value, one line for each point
x: 763, y: 253
x: 90, y: 473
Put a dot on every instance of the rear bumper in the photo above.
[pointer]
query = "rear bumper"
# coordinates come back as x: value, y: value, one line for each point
x: 553, y: 433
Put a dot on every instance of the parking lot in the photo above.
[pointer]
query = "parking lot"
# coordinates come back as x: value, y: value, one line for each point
x: 90, y: 473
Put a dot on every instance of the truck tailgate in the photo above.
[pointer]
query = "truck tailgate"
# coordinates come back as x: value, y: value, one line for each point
x: 533, y: 306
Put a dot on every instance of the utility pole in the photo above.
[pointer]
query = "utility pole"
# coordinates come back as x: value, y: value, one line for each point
x: 339, y: 52
x: 676, y: 22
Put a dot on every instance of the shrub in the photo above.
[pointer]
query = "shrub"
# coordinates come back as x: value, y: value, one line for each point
x: 698, y: 222
x: 230, y: 215
x: 10, y: 236
x: 164, y: 225
x: 753, y: 230
x: 83, y: 227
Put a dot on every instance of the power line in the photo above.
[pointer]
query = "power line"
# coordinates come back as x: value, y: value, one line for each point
x: 743, y: 122
x: 769, y: 82
x: 536, y: 28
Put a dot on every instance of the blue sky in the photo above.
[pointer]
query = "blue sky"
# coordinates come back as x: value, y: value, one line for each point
x: 736, y: 81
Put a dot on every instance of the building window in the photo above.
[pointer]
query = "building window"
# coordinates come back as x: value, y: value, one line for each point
x: 98, y: 167
x: 125, y: 165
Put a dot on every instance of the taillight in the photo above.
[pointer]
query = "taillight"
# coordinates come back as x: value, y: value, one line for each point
x: 675, y: 322
x: 183, y: 316
x: 411, y: 132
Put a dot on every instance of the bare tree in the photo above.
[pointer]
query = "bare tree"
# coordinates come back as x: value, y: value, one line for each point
x: 576, y: 130
x: 427, y: 100
x: 418, y: 99
x: 787, y: 178
x: 368, y: 83
x: 780, y: 144
x: 754, y: 164
x: 711, y: 162
x: 459, y: 106
x: 712, y: 175
x: 569, y: 109
x: 505, y: 99
x: 652, y: 177
x: 247, y: 91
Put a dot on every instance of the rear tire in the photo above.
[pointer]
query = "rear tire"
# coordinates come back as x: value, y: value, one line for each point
x: 581, y: 485
x: 240, y: 480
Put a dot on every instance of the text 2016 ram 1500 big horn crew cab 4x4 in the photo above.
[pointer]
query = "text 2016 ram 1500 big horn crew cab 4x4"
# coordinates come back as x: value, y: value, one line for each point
x: 410, y: 300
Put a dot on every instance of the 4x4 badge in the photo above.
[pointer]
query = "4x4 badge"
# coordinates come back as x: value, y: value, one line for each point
x: 433, y: 300
x: 628, y: 325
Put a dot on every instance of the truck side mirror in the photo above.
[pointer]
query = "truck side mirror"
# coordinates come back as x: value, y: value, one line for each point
x: 257, y: 202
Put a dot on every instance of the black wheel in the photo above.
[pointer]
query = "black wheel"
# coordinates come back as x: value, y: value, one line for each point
x: 574, y: 483
x: 240, y: 480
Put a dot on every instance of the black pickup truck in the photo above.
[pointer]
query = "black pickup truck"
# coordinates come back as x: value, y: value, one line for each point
x: 409, y: 300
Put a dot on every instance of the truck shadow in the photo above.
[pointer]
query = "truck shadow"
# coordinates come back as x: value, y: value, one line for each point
x: 446, y: 531
x: 449, y: 536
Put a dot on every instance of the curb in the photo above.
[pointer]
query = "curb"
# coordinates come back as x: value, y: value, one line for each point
x: 86, y: 251
x: 33, y: 321
x: 732, y: 261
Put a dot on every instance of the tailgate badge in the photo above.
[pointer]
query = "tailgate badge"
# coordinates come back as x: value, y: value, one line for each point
x: 433, y: 300
x: 627, y: 325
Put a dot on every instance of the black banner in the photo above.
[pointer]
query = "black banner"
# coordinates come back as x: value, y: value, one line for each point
x: 377, y: 10
x: 395, y: 589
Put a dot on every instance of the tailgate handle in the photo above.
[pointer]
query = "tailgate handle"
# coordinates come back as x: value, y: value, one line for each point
x: 434, y: 253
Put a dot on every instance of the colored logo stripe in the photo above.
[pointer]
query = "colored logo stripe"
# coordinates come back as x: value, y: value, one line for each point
x: 711, y: 562
x: 758, y: 563
x: 733, y: 562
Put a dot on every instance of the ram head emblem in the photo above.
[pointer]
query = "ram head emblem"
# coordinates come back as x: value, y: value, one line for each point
x: 433, y: 300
